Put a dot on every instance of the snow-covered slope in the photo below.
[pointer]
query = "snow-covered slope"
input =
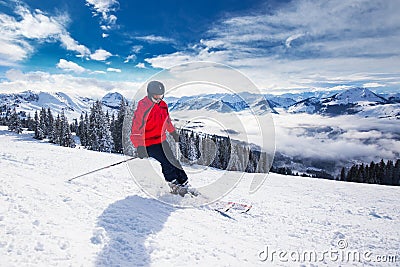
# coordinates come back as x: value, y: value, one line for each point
x: 103, y: 219
x: 309, y: 105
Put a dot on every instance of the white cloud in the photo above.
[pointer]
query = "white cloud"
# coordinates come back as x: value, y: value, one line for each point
x: 181, y: 57
x: 290, y: 39
x: 17, y: 37
x: 113, y: 70
x: 136, y: 48
x: 372, y: 85
x: 140, y: 65
x: 130, y: 58
x: 98, y: 72
x: 104, y: 8
x: 37, y: 25
x: 212, y: 43
x: 155, y: 39
x: 70, y: 66
x: 167, y: 61
x: 12, y: 51
x: 70, y: 44
x: 336, y: 138
x: 100, y: 55
x: 18, y: 81
x: 305, y: 43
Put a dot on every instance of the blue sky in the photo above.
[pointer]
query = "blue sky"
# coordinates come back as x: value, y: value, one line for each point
x: 94, y: 46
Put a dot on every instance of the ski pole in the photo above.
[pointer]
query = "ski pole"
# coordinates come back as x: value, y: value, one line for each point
x: 69, y: 180
x: 177, y: 151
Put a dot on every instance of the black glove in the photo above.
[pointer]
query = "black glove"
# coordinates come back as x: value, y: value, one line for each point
x: 141, y: 151
x: 175, y: 135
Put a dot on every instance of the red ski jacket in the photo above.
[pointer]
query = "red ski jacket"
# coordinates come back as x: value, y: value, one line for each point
x: 150, y: 123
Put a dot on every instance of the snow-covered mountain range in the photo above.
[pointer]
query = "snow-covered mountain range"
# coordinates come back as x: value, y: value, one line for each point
x: 72, y: 105
x: 360, y: 101
x: 224, y: 103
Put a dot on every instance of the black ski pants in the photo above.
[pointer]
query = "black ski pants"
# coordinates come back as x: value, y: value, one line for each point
x: 171, y: 168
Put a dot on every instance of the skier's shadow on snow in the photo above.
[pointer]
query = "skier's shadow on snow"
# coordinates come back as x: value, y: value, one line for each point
x: 128, y: 223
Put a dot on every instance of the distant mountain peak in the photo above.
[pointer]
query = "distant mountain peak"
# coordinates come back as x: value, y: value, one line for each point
x: 356, y: 95
x: 112, y: 100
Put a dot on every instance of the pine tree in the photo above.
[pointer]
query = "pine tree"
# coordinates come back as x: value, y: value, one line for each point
x: 100, y: 138
x: 117, y: 125
x: 388, y: 173
x: 30, y: 124
x: 65, y: 132
x: 234, y: 163
x: 106, y: 142
x: 82, y: 131
x: 343, y: 174
x: 374, y: 173
x: 7, y: 116
x: 40, y: 129
x: 86, y: 130
x: 14, y: 122
x: 192, y: 148
x: 208, y: 148
x: 215, y: 163
x: 225, y: 152
x: 74, y: 126
x: 56, y: 134
x: 43, y: 123
x: 49, y: 122
x: 360, y: 177
x: 36, y: 119
x: 396, y: 173
x: 262, y: 165
x: 127, y: 145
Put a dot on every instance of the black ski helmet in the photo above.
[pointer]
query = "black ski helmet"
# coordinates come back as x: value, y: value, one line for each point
x: 155, y: 88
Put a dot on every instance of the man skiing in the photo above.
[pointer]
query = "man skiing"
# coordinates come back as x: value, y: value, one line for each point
x: 150, y: 123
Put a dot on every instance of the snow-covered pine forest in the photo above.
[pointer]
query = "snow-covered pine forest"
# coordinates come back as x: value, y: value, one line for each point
x: 99, y: 131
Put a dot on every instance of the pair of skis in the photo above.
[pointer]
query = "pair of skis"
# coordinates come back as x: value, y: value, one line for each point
x: 226, y: 206
x: 223, y: 207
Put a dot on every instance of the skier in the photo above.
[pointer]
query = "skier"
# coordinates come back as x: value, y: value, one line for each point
x: 150, y: 122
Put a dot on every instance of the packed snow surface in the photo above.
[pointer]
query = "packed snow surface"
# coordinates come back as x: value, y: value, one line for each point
x: 104, y: 219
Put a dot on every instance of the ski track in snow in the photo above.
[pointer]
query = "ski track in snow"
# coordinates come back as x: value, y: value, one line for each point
x: 104, y: 219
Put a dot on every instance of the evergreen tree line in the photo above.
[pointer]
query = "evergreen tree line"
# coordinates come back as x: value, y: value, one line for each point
x: 98, y: 132
x: 375, y: 173
x: 44, y: 125
x: 221, y: 152
x: 15, y: 121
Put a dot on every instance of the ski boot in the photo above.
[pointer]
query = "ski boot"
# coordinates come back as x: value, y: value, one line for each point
x: 177, y: 188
